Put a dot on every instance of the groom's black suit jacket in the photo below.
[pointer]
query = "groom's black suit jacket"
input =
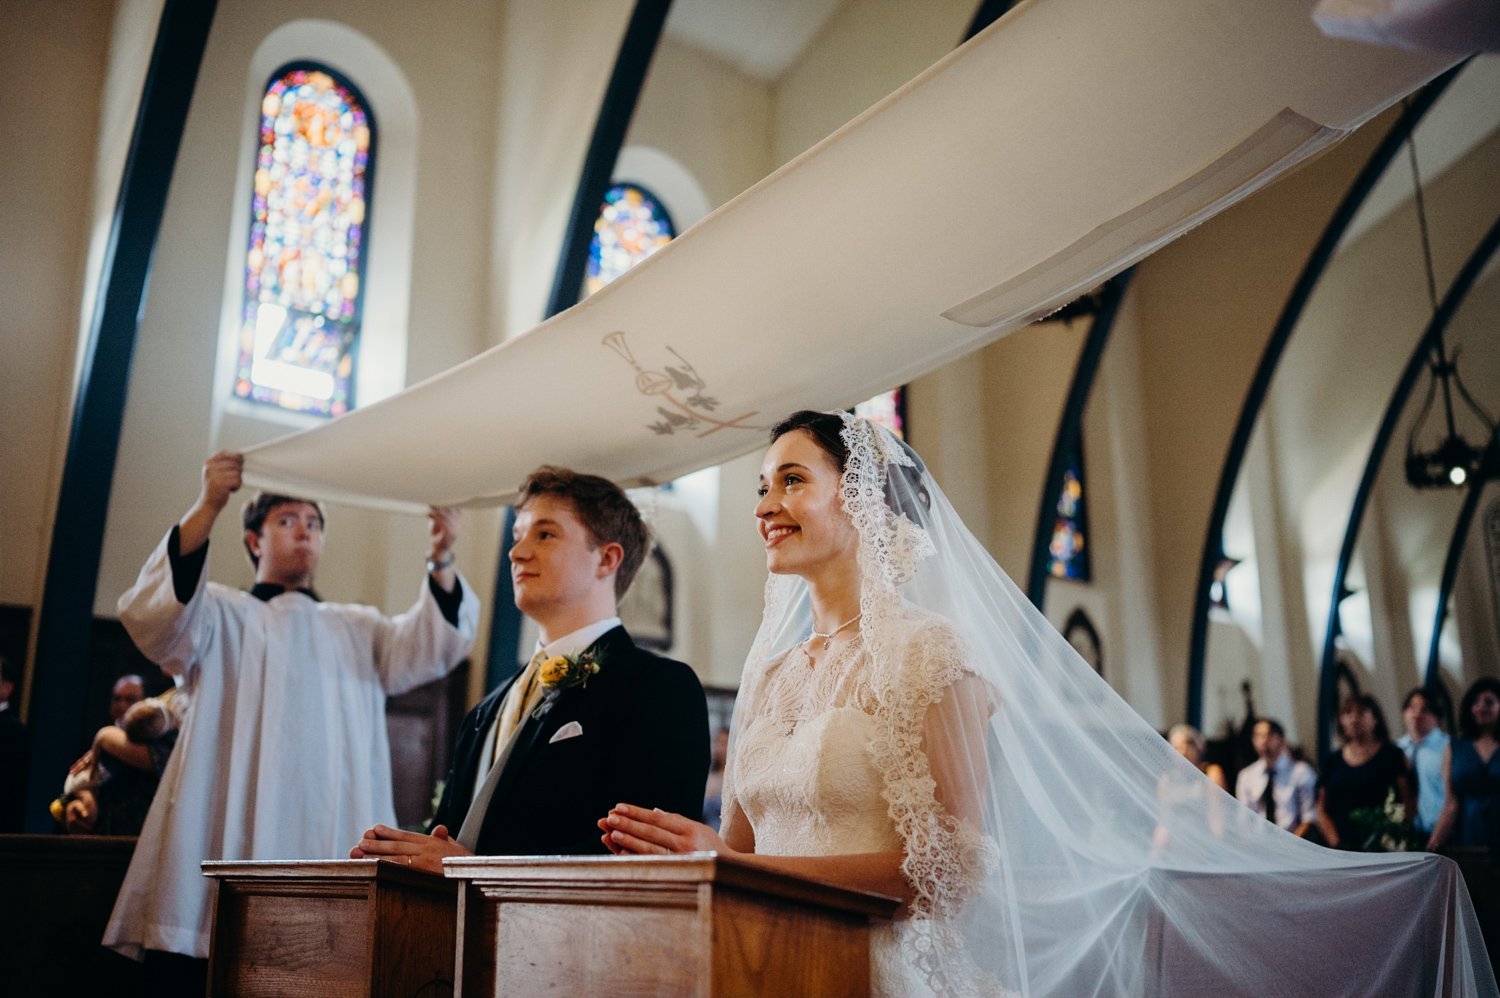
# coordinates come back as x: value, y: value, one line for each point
x: 644, y: 741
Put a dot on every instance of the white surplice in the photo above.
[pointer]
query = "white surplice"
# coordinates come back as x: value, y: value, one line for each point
x: 284, y: 754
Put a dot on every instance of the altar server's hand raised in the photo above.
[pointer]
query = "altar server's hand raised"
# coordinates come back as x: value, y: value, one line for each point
x: 421, y: 852
x: 443, y: 523
x: 443, y: 526
x: 223, y: 474
x: 631, y: 830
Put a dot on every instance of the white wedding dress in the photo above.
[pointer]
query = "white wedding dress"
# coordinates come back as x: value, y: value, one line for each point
x: 812, y: 774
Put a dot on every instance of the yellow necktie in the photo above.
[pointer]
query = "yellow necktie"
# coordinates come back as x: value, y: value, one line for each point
x: 520, y: 701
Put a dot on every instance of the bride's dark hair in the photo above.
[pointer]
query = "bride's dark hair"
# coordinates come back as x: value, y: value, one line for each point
x: 826, y: 429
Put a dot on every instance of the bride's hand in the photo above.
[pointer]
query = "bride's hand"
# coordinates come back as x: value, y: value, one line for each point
x: 635, y: 830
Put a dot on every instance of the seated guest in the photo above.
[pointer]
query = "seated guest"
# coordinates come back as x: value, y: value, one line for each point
x: 1365, y: 773
x: 77, y: 809
x: 121, y: 771
x: 15, y: 753
x: 1471, y: 767
x: 593, y: 720
x: 1277, y: 787
x: 127, y: 692
x: 1425, y: 745
x: 284, y: 752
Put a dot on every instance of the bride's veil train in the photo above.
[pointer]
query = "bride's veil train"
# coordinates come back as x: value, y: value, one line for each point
x: 1055, y: 843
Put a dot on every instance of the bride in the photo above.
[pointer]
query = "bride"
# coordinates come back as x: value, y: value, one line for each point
x: 909, y: 724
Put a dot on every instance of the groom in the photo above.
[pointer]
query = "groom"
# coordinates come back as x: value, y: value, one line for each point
x: 590, y: 722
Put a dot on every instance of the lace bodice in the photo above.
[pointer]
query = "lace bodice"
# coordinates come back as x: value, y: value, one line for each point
x: 833, y: 760
x: 806, y: 776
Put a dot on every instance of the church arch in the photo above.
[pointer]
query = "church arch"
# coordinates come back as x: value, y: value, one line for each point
x: 1327, y: 677
x: 1213, y: 554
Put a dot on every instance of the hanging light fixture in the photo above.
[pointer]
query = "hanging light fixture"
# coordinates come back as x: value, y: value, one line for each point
x: 1452, y: 462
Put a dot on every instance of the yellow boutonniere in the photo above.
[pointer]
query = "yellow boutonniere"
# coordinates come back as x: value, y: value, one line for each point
x: 561, y: 672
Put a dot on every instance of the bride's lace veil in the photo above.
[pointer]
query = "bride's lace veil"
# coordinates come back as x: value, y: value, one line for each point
x: 1055, y: 843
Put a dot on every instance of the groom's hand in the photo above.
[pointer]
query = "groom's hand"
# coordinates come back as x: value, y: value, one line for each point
x: 421, y: 852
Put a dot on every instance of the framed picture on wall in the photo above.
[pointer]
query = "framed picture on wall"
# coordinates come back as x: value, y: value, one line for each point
x: 646, y: 609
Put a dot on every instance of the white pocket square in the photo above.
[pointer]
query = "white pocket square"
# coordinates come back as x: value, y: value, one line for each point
x: 570, y: 730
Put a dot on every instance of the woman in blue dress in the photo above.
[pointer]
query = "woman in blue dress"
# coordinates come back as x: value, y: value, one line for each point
x: 1471, y: 768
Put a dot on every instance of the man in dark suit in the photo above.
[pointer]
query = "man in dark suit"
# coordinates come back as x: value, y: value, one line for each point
x: 591, y: 721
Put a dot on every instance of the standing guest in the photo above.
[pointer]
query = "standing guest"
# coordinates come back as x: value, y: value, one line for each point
x: 1425, y: 745
x: 1471, y: 770
x: 284, y: 752
x: 15, y: 753
x: 1183, y: 792
x: 1279, y: 788
x: 1192, y: 746
x: 592, y: 720
x: 1364, y: 773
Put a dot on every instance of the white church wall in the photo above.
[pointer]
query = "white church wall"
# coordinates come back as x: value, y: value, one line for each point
x: 553, y: 61
x: 62, y: 162
x: 708, y: 116
x: 1122, y: 524
x: 1287, y: 682
x: 1027, y: 377
x: 739, y: 567
x: 867, y: 49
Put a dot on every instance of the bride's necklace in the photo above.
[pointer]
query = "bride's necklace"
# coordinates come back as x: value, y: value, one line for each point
x: 828, y: 638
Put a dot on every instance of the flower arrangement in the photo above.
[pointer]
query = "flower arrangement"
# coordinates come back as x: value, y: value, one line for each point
x: 1385, y: 829
x: 562, y: 672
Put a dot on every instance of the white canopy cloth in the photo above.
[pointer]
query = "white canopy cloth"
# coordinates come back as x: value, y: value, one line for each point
x: 1061, y: 145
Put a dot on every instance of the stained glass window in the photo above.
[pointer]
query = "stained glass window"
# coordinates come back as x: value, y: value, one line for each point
x: 888, y: 409
x: 299, y: 328
x: 632, y: 225
x: 1068, y: 552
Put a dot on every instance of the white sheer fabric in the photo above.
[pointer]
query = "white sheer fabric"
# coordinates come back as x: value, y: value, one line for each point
x: 1055, y: 844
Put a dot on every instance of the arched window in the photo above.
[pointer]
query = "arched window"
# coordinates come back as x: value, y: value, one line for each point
x: 632, y: 225
x: 1069, y: 556
x: 304, y: 266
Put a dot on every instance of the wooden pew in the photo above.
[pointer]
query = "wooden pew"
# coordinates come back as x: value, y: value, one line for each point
x: 331, y: 928
x: 56, y: 893
x: 657, y: 925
